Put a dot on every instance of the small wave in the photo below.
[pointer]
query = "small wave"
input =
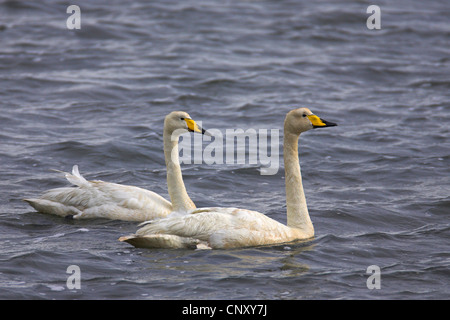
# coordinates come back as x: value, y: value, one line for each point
x: 430, y: 83
x: 217, y: 82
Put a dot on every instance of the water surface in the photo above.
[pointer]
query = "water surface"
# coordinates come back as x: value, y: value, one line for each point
x: 377, y: 186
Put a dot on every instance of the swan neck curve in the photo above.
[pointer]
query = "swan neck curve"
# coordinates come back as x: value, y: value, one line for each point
x: 297, y: 210
x: 177, y: 190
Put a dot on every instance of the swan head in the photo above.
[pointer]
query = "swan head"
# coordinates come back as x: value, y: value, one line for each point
x: 178, y: 122
x: 302, y: 119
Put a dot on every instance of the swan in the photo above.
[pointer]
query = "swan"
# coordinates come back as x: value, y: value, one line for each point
x: 99, y: 199
x: 232, y: 227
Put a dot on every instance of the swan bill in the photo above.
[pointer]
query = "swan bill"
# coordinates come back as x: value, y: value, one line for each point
x: 193, y: 126
x: 320, y: 123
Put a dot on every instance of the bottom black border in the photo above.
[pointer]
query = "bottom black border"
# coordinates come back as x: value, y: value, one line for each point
x: 223, y: 309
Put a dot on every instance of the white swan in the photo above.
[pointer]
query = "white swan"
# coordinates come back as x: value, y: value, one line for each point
x: 99, y: 199
x: 232, y: 227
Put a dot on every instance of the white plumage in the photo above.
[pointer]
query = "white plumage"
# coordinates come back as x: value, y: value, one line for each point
x: 99, y: 199
x: 213, y: 228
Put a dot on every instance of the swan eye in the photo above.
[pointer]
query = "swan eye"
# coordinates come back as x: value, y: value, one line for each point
x: 304, y: 115
x: 181, y: 118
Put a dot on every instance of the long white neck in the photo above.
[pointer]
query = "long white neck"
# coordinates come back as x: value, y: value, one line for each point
x: 177, y: 191
x: 297, y: 210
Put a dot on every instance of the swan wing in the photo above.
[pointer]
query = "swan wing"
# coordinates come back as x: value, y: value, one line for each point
x: 99, y: 199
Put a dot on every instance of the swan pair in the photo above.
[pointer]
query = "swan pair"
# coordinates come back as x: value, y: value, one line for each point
x: 207, y: 227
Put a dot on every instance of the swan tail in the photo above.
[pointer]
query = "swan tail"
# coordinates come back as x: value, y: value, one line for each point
x: 52, y: 207
x: 165, y: 241
x: 76, y: 178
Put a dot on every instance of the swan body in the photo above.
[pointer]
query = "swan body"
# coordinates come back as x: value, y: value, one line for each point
x: 232, y: 227
x: 99, y: 199
x: 215, y: 228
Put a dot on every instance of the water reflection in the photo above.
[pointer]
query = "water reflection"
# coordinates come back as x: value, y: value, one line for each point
x: 269, y: 261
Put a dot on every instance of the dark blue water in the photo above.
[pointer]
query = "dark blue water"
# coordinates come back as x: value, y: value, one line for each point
x: 377, y: 186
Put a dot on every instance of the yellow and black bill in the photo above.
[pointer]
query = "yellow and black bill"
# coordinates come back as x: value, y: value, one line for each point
x: 193, y: 126
x: 319, y: 122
